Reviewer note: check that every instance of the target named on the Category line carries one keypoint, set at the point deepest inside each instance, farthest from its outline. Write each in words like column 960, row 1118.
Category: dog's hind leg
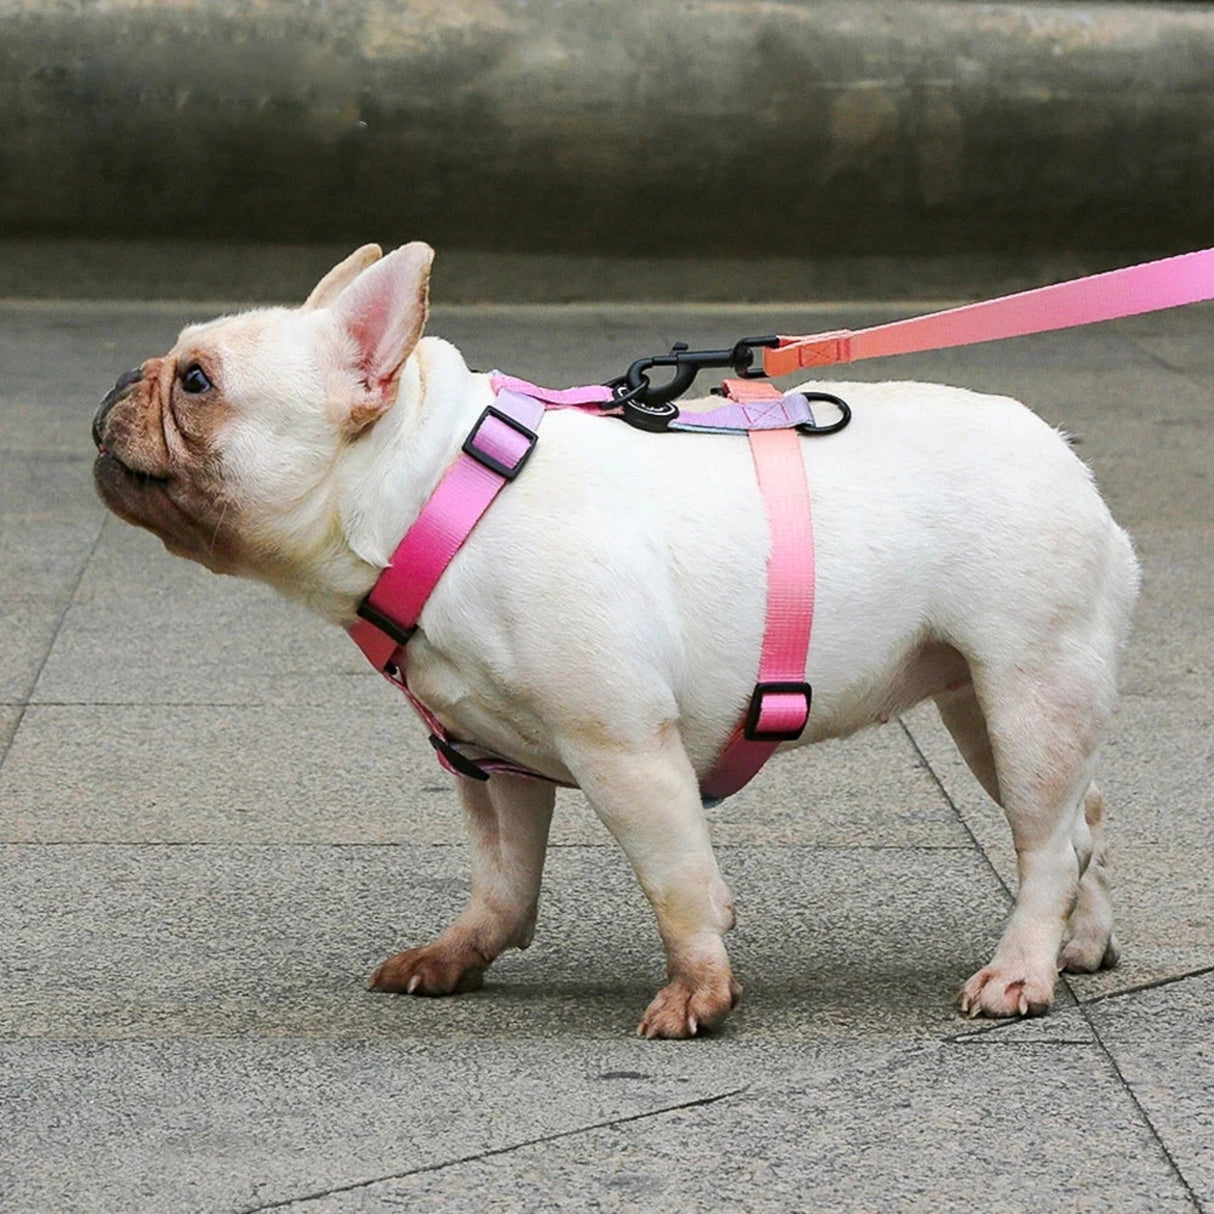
column 649, row 800
column 962, row 716
column 508, row 819
column 1044, row 724
column 1089, row 943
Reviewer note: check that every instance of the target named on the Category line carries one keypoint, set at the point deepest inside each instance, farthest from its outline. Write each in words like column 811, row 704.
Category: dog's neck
column 389, row 471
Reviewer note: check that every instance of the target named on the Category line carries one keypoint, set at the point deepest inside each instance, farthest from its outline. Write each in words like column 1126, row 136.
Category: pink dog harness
column 499, row 445
column 495, row 452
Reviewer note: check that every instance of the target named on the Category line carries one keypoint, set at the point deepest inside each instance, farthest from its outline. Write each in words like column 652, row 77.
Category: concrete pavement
column 214, row 821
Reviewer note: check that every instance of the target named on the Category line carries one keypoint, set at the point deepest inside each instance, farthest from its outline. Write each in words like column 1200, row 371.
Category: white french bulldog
column 602, row 624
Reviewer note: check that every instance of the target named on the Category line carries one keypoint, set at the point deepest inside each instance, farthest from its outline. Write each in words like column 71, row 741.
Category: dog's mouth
column 108, row 463
column 166, row 507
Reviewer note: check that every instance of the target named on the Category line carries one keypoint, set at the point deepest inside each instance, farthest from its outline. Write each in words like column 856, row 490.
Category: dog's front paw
column 1001, row 992
column 441, row 968
column 684, row 1008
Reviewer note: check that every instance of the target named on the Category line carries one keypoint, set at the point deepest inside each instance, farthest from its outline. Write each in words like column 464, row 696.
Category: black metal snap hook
column 640, row 389
column 635, row 385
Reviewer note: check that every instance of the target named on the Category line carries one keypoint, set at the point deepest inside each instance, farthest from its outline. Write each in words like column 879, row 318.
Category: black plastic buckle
column 461, row 763
column 506, row 471
column 385, row 623
column 751, row 731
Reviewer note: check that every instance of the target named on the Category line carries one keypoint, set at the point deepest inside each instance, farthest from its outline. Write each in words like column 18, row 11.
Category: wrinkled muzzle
column 143, row 482
column 126, row 381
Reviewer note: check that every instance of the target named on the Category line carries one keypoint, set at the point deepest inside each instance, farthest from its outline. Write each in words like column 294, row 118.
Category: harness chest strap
column 493, row 454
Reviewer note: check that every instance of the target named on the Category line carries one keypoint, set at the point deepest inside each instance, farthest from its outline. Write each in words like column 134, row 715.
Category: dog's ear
column 341, row 276
column 383, row 312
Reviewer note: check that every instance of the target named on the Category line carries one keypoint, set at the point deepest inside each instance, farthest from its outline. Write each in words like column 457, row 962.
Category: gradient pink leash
column 1150, row 287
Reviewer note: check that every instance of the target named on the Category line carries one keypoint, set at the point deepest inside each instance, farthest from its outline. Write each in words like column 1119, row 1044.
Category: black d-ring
column 835, row 426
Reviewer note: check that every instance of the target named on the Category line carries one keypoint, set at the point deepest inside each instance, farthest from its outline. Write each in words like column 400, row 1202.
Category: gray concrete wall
column 704, row 126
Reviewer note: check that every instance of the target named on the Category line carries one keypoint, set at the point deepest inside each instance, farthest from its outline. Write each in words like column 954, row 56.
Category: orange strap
column 1150, row 287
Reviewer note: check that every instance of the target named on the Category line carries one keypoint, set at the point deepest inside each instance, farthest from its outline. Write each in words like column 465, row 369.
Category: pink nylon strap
column 385, row 653
column 779, row 709
column 1150, row 287
column 502, row 440
column 494, row 452
column 389, row 657
column 590, row 394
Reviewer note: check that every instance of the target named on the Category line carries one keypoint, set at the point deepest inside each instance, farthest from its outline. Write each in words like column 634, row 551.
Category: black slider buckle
column 385, row 623
column 459, row 763
column 506, row 471
column 751, row 731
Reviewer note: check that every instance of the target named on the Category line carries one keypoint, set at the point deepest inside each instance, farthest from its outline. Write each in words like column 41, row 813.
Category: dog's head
column 224, row 446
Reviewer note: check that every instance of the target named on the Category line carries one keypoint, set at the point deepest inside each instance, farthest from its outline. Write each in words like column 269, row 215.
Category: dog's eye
column 194, row 379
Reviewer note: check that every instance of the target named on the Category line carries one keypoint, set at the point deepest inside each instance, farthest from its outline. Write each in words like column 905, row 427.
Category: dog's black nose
column 125, row 381
column 127, row 378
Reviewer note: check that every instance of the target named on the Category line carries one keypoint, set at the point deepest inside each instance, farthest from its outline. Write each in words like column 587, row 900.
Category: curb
column 723, row 128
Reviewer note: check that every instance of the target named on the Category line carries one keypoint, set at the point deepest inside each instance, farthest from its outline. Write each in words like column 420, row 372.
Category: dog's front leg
column 650, row 801
column 508, row 819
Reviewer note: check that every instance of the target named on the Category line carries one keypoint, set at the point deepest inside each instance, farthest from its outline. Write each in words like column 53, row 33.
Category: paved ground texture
column 214, row 821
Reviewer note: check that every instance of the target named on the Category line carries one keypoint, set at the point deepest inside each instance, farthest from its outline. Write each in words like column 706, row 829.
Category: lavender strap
column 782, row 413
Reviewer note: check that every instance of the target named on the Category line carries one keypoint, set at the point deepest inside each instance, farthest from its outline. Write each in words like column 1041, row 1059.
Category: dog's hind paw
column 681, row 1009
column 1087, row 953
column 999, row 994
column 441, row 968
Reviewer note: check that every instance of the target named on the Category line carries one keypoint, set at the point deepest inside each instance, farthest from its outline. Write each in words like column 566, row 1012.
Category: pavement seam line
column 1186, row 373
column 1130, row 990
column 1153, row 985
column 495, row 1151
column 948, row 800
column 983, row 1036
column 1104, row 997
column 965, row 826
column 23, row 707
column 1083, row 1009
column 1126, row 1087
